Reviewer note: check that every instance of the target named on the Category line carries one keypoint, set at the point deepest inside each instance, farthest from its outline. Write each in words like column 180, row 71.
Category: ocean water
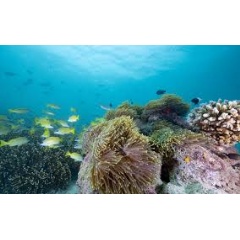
column 88, row 77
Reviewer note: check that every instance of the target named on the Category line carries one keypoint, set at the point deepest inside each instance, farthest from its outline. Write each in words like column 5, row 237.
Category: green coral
column 169, row 103
column 119, row 158
column 125, row 109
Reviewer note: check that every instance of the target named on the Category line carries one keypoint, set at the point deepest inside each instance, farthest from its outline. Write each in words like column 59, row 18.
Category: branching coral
column 125, row 109
column 219, row 120
column 31, row 168
column 119, row 159
column 169, row 106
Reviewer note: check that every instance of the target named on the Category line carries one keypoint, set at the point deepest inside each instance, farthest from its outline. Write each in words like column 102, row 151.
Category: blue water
column 87, row 76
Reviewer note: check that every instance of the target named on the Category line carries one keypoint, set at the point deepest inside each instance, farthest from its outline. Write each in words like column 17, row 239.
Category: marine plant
column 167, row 105
column 31, row 168
column 125, row 109
column 219, row 120
column 119, row 159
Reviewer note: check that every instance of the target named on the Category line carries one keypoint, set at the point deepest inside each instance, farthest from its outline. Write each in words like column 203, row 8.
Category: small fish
column 233, row 156
column 53, row 106
column 64, row 131
column 46, row 133
column 106, row 108
column 187, row 159
column 76, row 156
column 3, row 118
column 51, row 142
column 72, row 109
column 160, row 92
column 49, row 113
column 28, row 82
column 43, row 122
column 18, row 110
column 78, row 146
column 4, row 130
column 10, row 74
column 20, row 121
column 73, row 118
column 32, row 131
column 196, row 100
column 62, row 123
column 14, row 142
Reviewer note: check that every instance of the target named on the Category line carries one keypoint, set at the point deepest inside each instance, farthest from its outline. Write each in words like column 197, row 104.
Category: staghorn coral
column 170, row 107
column 220, row 120
column 125, row 109
column 118, row 160
column 31, row 168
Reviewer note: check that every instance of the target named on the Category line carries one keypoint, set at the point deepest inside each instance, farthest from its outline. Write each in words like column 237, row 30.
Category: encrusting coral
column 119, row 159
column 219, row 120
column 203, row 168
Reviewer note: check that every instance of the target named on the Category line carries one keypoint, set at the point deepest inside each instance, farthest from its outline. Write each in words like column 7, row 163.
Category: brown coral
column 119, row 159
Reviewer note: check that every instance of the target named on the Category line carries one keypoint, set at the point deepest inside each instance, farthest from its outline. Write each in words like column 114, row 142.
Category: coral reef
column 219, row 120
column 31, row 168
column 168, row 136
column 118, row 159
column 203, row 168
column 125, row 109
column 169, row 106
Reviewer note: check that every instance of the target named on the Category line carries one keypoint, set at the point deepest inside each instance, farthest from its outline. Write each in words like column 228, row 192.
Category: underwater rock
column 203, row 168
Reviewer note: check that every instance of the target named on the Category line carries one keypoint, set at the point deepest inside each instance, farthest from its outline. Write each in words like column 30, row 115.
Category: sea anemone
column 125, row 109
column 169, row 106
column 119, row 159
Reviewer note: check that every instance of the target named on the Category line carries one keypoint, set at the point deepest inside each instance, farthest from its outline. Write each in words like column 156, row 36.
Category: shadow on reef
column 160, row 148
column 31, row 168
